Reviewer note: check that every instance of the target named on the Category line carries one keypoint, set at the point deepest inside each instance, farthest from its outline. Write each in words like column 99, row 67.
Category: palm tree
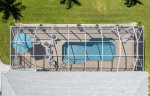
column 69, row 3
column 11, row 8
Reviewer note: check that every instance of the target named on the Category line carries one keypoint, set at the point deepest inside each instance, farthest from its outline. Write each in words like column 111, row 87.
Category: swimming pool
column 77, row 53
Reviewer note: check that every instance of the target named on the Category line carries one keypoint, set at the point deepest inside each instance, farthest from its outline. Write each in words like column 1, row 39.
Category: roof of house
column 3, row 67
column 31, row 83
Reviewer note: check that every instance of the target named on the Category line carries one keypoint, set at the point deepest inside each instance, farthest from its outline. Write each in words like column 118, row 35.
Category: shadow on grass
column 130, row 3
column 69, row 3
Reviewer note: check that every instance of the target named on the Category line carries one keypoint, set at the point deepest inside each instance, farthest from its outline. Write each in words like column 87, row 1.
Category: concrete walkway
column 3, row 68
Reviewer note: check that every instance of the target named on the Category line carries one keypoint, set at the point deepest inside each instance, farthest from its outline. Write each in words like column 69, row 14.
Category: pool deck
column 123, row 61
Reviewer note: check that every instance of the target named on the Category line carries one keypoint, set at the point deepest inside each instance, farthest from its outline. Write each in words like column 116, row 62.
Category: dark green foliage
column 69, row 3
column 139, row 23
column 62, row 1
column 11, row 8
column 76, row 2
column 131, row 3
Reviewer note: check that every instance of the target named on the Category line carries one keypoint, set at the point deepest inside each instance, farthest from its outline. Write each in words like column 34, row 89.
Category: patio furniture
column 51, row 62
column 53, row 37
column 50, row 53
column 37, row 41
column 47, row 45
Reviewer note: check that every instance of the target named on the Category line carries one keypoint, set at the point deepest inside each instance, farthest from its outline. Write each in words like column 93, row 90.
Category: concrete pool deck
column 123, row 60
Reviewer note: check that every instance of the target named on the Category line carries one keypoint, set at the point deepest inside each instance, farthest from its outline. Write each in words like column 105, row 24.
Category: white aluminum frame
column 113, row 28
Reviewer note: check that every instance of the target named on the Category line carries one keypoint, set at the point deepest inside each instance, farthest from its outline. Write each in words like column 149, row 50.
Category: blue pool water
column 77, row 53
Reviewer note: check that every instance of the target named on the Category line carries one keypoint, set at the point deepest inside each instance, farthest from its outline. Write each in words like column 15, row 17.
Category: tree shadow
column 69, row 3
column 62, row 1
column 130, row 3
column 76, row 2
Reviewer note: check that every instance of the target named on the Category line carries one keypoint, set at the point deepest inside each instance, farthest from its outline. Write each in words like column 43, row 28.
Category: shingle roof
column 3, row 67
column 29, row 83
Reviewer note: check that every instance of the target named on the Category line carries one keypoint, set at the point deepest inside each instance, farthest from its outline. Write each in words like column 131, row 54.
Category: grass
column 91, row 11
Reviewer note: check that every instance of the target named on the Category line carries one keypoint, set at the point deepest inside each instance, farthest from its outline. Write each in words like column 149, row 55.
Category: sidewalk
column 3, row 67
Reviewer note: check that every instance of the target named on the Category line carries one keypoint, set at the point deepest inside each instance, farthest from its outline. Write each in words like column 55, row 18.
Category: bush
column 68, row 4
column 62, row 1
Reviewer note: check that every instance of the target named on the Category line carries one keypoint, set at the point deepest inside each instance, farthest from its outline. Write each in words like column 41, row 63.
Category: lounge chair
column 53, row 37
column 50, row 52
column 46, row 44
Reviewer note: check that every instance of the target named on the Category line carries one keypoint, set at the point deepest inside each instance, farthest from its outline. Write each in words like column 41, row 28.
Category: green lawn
column 91, row 11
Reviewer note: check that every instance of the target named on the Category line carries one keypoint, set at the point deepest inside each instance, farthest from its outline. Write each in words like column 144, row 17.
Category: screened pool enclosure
column 77, row 47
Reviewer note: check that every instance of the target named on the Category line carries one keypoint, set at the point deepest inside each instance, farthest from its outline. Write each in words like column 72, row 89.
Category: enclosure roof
column 30, row 83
